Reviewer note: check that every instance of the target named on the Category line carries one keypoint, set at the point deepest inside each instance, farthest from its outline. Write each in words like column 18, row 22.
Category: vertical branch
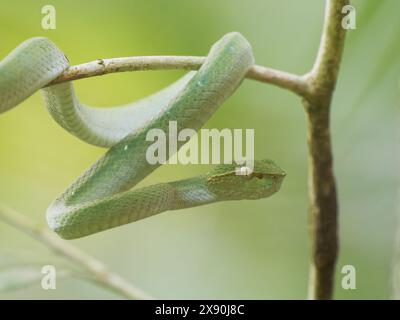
column 323, row 207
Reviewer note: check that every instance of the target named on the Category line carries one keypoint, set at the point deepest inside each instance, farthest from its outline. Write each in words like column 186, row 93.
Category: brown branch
column 323, row 206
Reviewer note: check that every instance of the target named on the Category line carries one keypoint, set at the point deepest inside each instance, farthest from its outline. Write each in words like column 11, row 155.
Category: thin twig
column 282, row 79
column 323, row 206
column 96, row 269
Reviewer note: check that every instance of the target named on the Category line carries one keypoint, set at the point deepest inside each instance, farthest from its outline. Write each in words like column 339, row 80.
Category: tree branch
column 323, row 207
column 282, row 79
column 97, row 270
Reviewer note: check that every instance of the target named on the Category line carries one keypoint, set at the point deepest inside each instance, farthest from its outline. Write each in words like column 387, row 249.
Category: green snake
column 102, row 197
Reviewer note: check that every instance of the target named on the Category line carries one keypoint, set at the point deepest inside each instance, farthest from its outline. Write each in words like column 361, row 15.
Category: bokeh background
column 237, row 250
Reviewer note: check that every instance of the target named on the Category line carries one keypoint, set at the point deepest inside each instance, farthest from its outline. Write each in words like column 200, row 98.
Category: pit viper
column 103, row 196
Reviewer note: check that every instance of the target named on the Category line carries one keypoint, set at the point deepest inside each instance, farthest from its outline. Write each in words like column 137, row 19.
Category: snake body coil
column 101, row 198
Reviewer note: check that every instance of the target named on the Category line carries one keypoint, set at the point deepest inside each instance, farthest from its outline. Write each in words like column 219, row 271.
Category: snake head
column 228, row 182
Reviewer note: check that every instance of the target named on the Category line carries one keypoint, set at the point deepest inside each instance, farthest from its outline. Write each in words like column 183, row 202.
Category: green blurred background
column 237, row 250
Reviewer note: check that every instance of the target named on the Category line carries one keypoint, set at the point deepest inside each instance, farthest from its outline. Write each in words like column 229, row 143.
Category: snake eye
column 258, row 175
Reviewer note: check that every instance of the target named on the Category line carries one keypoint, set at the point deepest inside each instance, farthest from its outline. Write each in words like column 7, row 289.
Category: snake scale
column 102, row 197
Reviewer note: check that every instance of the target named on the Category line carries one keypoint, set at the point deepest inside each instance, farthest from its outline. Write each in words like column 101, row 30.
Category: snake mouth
column 251, row 175
column 260, row 175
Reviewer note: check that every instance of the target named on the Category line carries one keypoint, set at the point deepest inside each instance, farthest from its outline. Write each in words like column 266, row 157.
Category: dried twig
column 96, row 270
